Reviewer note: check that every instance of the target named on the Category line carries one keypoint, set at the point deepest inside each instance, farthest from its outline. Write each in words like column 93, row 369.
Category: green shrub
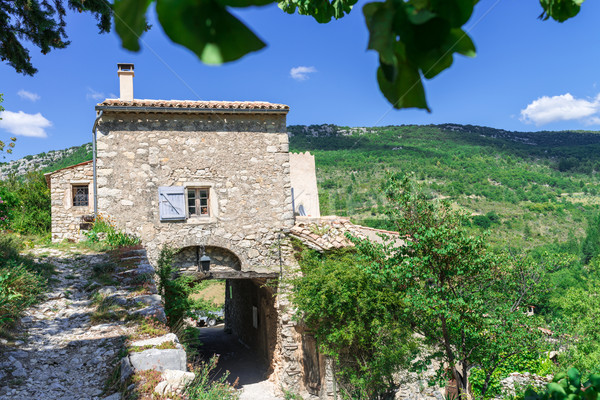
column 569, row 386
column 27, row 207
column 204, row 387
column 520, row 362
column 113, row 236
column 21, row 280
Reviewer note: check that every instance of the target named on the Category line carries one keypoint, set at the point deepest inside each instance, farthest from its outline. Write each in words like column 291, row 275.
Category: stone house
column 71, row 189
column 213, row 180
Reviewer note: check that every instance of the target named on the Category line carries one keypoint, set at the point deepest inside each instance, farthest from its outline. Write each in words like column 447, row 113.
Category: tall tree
column 42, row 23
column 415, row 39
column 466, row 301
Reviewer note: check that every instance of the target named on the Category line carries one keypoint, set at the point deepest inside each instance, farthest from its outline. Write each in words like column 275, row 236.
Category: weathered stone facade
column 241, row 158
column 67, row 217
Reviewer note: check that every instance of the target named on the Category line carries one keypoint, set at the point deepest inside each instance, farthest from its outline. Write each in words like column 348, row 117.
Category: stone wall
column 243, row 159
column 304, row 182
column 66, row 218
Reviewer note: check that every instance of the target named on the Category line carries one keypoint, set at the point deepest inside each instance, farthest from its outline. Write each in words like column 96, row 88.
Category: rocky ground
column 59, row 353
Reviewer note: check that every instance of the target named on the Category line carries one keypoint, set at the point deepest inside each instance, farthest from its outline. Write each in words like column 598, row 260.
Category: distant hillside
column 46, row 162
column 535, row 187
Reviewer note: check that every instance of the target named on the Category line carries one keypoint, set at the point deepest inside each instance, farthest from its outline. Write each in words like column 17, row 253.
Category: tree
column 10, row 144
column 465, row 301
column 353, row 318
column 415, row 39
column 42, row 24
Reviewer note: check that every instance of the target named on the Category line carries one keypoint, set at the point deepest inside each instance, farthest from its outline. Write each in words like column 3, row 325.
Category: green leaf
column 574, row 377
column 208, row 29
column 130, row 21
column 560, row 10
column 461, row 43
column 379, row 21
column 457, row 12
column 245, row 3
column 434, row 62
column 556, row 390
column 595, row 381
column 406, row 90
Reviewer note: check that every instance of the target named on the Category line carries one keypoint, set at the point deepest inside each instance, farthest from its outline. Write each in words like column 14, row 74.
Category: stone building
column 212, row 180
column 71, row 189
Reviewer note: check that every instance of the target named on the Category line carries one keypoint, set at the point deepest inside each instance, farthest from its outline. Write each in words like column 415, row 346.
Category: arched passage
column 248, row 337
column 222, row 260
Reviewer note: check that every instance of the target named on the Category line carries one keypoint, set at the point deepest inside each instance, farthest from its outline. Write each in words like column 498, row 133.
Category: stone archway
column 222, row 260
column 213, row 241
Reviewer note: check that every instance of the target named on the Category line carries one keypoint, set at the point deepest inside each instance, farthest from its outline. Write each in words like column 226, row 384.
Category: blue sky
column 528, row 75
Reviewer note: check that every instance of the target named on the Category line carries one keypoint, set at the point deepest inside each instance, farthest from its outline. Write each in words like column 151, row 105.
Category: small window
column 198, row 202
column 80, row 196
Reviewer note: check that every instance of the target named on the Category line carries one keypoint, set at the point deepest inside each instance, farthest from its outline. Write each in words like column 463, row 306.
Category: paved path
column 59, row 354
column 242, row 363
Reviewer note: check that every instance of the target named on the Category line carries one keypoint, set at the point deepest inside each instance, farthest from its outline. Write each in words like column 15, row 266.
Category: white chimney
column 126, row 81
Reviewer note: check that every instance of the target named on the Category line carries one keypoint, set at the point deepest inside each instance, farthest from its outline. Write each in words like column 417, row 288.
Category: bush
column 28, row 204
column 569, row 386
column 21, row 281
column 204, row 387
column 103, row 227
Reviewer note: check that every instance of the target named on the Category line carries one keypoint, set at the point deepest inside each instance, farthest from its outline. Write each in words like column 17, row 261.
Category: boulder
column 156, row 312
column 174, row 381
column 157, row 341
column 148, row 299
column 156, row 359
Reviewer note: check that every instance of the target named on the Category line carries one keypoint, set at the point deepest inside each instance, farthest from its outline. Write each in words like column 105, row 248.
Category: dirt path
column 242, row 363
column 59, row 354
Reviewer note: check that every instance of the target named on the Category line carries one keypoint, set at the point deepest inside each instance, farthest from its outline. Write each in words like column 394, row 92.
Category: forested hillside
column 538, row 187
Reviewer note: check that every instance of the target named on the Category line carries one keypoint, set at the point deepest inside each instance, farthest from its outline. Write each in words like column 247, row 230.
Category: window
column 197, row 199
column 80, row 196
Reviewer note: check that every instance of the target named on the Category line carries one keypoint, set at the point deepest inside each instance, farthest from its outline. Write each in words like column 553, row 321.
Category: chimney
column 126, row 81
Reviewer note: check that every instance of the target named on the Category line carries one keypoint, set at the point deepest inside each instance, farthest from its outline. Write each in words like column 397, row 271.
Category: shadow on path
column 242, row 362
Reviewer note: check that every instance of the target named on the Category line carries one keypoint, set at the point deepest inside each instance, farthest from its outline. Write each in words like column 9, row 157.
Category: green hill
column 532, row 188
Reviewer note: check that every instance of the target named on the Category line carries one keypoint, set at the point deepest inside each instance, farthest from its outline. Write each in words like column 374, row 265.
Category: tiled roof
column 328, row 233
column 185, row 104
column 49, row 174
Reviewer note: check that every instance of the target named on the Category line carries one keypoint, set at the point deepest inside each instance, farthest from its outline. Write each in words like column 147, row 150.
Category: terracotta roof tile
column 327, row 233
column 213, row 105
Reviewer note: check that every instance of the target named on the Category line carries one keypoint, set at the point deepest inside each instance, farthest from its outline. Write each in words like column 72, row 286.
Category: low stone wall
column 160, row 359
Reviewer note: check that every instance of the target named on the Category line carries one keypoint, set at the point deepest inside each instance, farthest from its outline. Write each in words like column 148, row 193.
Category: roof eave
column 190, row 110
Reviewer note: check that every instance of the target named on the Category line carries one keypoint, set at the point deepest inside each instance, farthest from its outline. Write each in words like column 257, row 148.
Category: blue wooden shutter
column 171, row 202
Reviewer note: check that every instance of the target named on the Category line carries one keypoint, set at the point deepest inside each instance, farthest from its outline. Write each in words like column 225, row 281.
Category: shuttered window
column 171, row 200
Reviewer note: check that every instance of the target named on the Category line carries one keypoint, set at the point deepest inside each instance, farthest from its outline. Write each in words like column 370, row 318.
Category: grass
column 22, row 281
column 147, row 327
column 213, row 291
column 163, row 346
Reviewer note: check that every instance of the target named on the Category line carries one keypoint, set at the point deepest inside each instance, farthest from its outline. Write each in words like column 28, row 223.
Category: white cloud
column 301, row 73
column 23, row 124
column 24, row 94
column 94, row 95
column 562, row 108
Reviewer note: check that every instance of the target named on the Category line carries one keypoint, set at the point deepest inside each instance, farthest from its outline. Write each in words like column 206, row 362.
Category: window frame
column 74, row 199
column 198, row 201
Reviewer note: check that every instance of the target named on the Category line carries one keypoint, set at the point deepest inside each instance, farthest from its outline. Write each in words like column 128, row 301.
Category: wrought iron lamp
column 203, row 262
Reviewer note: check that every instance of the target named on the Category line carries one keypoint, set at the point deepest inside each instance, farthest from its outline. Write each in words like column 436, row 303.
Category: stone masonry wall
column 243, row 158
column 304, row 181
column 65, row 217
